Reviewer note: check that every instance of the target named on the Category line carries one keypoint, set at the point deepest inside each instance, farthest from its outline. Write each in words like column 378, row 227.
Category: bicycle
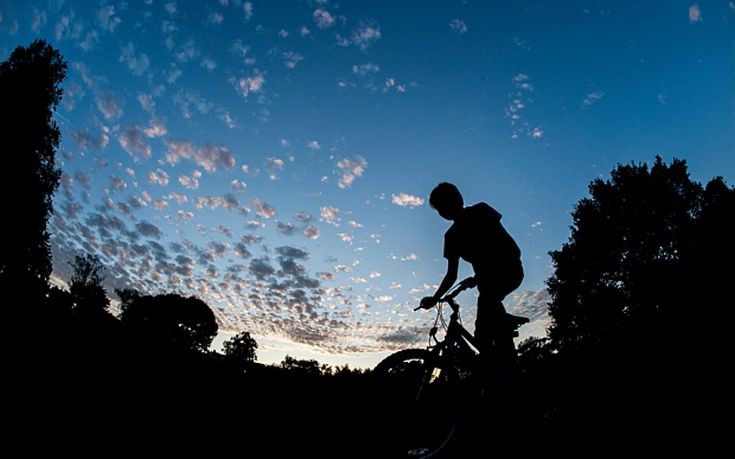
column 435, row 383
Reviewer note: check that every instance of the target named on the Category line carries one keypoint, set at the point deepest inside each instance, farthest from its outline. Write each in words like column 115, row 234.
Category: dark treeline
column 637, row 350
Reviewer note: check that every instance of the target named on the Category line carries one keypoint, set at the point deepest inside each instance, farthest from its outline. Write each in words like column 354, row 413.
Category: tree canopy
column 30, row 90
column 637, row 251
column 187, row 323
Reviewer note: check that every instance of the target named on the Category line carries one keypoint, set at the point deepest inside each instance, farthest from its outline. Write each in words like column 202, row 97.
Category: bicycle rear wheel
column 419, row 403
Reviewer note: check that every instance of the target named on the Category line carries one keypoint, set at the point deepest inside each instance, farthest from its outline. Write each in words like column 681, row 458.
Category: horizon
column 270, row 162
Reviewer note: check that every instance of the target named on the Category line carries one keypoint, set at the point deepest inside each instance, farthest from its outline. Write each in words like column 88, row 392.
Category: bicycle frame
column 456, row 336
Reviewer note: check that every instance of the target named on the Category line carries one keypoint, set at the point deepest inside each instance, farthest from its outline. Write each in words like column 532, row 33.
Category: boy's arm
column 449, row 279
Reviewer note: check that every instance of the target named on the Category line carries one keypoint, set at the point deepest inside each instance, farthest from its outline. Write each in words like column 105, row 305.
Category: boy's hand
column 428, row 302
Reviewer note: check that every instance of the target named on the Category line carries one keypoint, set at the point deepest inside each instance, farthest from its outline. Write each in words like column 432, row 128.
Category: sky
column 274, row 158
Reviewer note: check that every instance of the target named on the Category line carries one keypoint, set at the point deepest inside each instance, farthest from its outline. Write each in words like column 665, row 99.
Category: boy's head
column 447, row 200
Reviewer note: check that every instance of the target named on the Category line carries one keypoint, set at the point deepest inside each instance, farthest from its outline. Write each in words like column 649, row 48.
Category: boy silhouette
column 478, row 237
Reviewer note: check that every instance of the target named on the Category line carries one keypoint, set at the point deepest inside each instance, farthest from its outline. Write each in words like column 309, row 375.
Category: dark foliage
column 88, row 294
column 184, row 323
column 30, row 90
column 240, row 350
column 637, row 295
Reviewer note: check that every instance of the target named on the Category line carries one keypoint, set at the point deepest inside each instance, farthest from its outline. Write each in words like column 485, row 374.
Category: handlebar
column 458, row 288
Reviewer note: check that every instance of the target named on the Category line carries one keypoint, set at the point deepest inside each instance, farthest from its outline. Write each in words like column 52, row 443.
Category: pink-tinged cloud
column 406, row 200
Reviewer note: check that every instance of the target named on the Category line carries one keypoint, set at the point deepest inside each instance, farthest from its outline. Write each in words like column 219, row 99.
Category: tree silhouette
column 303, row 367
column 240, row 349
column 629, row 259
column 127, row 297
column 186, row 324
column 87, row 292
column 647, row 260
column 30, row 90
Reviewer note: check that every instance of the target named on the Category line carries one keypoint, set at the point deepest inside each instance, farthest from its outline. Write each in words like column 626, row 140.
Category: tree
column 240, row 349
column 30, row 90
column 301, row 366
column 86, row 288
column 186, row 324
column 127, row 297
column 638, row 246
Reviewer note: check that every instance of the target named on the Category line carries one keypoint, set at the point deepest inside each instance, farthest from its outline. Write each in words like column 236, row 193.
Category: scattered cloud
column 107, row 18
column 291, row 59
column 406, row 200
column 158, row 177
column 365, row 69
column 138, row 64
column 191, row 181
column 132, row 139
column 109, row 106
column 695, row 15
column 323, row 18
column 592, row 97
column 330, row 215
column 249, row 85
column 458, row 26
column 349, row 170
column 312, row 232
column 264, row 209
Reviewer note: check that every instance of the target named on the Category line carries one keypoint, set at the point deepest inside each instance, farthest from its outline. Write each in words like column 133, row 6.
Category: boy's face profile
column 448, row 212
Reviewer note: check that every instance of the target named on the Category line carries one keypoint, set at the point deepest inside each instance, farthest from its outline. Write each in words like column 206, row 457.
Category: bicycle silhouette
column 432, row 390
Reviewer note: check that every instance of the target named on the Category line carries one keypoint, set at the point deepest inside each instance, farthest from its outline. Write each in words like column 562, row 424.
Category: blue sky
column 274, row 158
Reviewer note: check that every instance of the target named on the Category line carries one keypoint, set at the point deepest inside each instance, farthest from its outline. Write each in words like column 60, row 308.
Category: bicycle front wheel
column 419, row 403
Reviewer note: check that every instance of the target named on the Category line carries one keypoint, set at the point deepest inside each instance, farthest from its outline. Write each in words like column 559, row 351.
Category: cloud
column 215, row 18
column 178, row 150
column 264, row 209
column 592, row 97
column 39, row 20
column 285, row 228
column 108, row 105
column 261, row 268
column 458, row 26
column 179, row 198
column 158, row 177
column 132, row 140
column 117, row 183
column 695, row 15
column 406, row 200
column 138, row 64
column 156, row 129
column 148, row 229
column 227, row 201
column 330, row 215
column 238, row 185
column 210, row 157
column 292, row 252
column 242, row 250
column 248, row 85
column 313, row 145
column 518, row 100
column 86, row 140
column 350, row 168
column 208, row 64
column 312, row 232
column 323, row 18
column 366, row 36
column 107, row 18
column 363, row 70
column 292, row 59
column 191, row 181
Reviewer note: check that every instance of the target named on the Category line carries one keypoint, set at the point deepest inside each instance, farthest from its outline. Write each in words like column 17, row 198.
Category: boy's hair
column 446, row 195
